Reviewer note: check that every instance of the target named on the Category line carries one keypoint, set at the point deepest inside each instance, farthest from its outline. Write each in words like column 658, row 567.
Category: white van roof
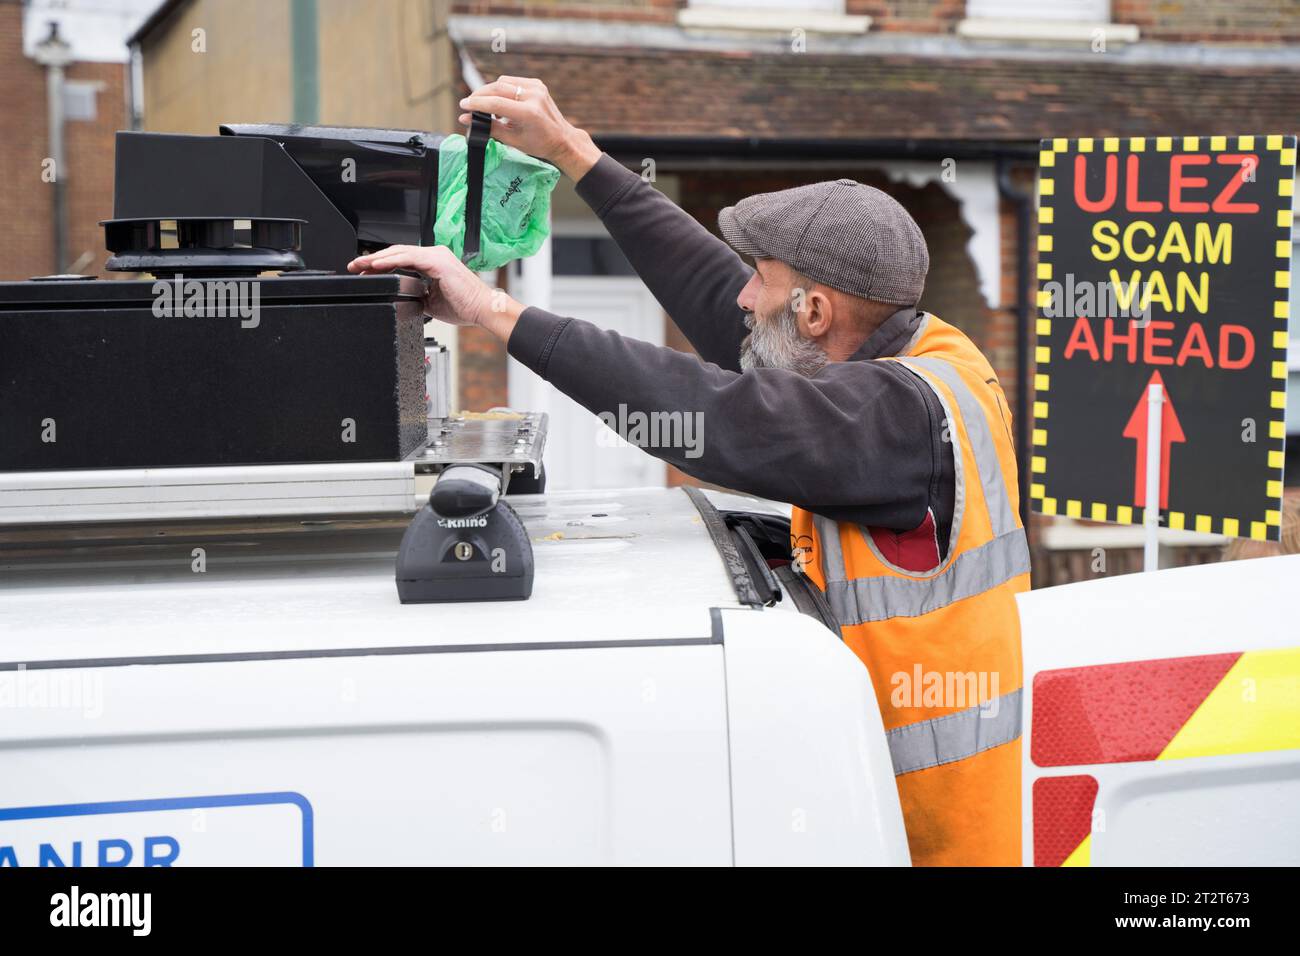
column 631, row 566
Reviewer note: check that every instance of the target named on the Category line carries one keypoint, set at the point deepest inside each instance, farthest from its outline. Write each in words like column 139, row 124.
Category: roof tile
column 660, row 92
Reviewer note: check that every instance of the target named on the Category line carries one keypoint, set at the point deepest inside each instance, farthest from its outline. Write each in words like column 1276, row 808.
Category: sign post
column 1164, row 267
column 1151, row 516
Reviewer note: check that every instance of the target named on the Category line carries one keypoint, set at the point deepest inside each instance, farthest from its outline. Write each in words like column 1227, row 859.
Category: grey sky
column 97, row 29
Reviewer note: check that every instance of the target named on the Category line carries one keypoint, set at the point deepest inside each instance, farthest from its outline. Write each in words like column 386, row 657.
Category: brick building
column 96, row 109
column 939, row 102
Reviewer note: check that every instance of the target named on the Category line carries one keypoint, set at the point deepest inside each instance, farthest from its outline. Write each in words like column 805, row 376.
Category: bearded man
column 820, row 383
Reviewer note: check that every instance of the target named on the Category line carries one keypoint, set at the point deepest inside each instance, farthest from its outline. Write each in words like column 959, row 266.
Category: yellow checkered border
column 1049, row 149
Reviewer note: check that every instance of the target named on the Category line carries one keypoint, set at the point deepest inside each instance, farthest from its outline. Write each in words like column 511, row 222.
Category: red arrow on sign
column 1171, row 430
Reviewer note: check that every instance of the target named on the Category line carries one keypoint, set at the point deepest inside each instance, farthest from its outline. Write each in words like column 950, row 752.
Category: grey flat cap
column 849, row 236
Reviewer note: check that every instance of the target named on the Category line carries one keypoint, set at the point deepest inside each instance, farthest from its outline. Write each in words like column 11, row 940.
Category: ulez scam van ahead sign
column 1164, row 260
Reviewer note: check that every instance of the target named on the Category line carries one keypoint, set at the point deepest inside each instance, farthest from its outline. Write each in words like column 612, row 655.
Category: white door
column 580, row 451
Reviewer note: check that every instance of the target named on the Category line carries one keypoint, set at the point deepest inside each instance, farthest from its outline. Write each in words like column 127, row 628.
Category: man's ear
column 815, row 313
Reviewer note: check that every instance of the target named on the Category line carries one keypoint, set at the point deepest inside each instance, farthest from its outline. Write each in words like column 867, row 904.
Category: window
column 1051, row 21
column 588, row 256
column 79, row 99
column 818, row 6
column 814, row 16
column 1078, row 11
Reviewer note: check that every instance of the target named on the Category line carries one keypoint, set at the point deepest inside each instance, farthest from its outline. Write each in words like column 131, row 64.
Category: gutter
column 667, row 148
column 1023, row 201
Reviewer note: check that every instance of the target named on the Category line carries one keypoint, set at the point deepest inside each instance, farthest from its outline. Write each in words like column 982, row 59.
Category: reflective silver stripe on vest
column 940, row 740
column 879, row 598
column 1001, row 518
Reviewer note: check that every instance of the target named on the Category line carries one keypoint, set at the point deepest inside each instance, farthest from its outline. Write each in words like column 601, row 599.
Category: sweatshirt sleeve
column 857, row 442
column 695, row 275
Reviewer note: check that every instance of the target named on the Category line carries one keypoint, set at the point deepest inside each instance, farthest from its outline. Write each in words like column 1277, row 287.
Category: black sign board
column 1165, row 260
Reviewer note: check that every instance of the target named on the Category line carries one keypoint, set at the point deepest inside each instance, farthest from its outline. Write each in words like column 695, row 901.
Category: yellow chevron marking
column 1081, row 855
column 1256, row 707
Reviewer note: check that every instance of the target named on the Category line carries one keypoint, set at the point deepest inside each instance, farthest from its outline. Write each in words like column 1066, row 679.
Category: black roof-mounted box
column 219, row 360
column 355, row 190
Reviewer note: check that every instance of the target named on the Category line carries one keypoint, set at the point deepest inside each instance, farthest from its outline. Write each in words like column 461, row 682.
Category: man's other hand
column 526, row 118
column 455, row 294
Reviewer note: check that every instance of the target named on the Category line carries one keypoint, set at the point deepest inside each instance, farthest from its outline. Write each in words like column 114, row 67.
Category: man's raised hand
column 526, row 118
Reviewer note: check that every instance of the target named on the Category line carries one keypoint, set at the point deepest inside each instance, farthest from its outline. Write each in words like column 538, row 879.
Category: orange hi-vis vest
column 943, row 645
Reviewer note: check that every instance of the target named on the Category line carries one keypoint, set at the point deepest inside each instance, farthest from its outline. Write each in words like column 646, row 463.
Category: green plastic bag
column 516, row 202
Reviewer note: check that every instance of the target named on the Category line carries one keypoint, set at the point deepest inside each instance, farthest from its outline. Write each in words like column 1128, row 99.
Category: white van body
column 273, row 703
column 281, row 707
column 1188, row 681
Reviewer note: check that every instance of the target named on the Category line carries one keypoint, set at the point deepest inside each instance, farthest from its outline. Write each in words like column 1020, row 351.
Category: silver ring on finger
column 518, row 91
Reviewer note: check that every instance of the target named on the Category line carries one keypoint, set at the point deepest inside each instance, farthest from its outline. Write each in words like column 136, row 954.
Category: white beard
column 776, row 343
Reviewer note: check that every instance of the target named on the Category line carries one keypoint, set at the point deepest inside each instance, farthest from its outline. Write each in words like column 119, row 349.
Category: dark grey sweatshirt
column 860, row 441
